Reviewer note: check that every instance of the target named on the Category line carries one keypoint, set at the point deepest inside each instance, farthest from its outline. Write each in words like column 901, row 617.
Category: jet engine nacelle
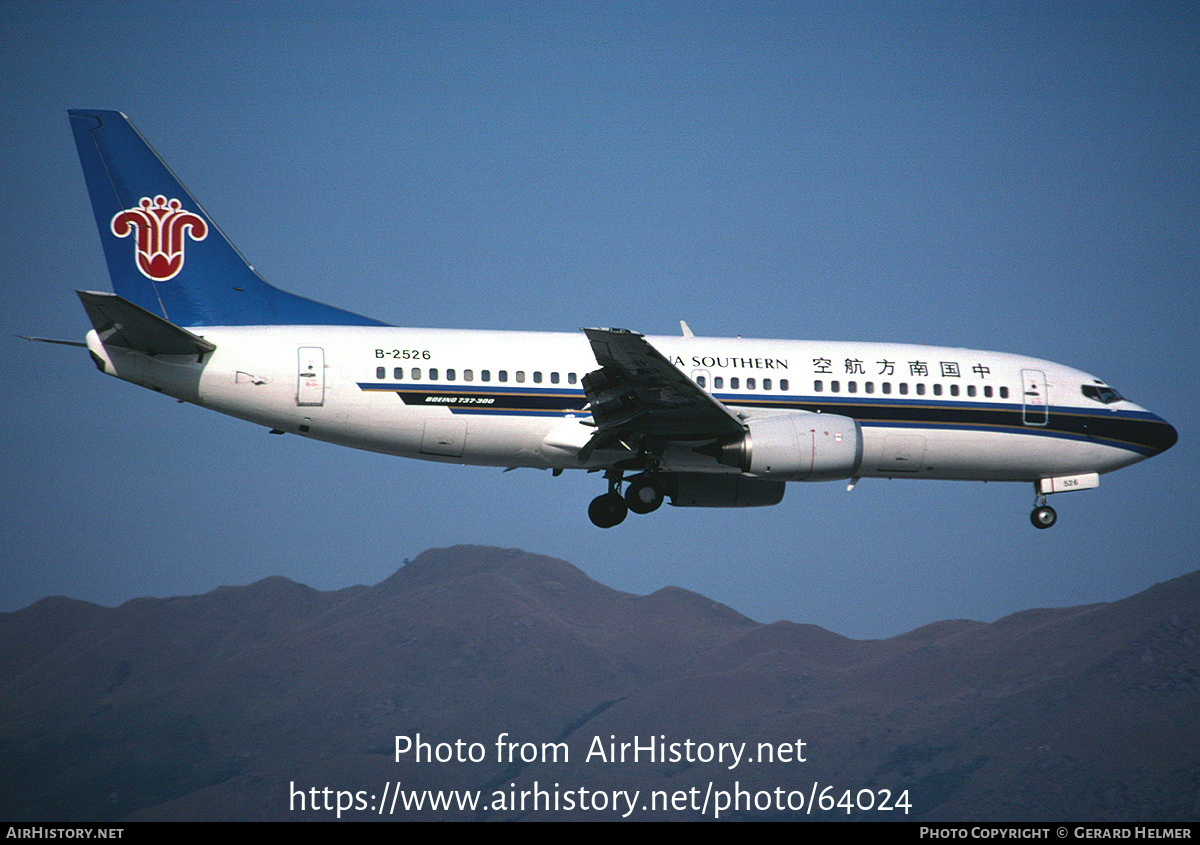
column 801, row 446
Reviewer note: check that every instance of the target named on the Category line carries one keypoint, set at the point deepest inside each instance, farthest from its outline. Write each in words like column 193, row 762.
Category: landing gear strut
column 1043, row 515
column 610, row 509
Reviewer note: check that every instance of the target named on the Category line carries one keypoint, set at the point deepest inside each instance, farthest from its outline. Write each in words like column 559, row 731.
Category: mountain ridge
column 210, row 706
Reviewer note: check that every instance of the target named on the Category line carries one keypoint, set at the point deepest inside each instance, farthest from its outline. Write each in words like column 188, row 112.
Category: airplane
column 705, row 422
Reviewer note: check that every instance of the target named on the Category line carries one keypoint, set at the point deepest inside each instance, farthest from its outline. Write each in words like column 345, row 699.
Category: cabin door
column 310, row 377
column 1033, row 391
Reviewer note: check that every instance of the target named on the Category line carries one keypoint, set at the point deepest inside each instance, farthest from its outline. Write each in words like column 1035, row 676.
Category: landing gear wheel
column 607, row 510
column 1043, row 516
column 643, row 495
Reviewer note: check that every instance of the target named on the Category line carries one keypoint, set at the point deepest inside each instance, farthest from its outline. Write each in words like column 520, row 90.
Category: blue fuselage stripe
column 1139, row 432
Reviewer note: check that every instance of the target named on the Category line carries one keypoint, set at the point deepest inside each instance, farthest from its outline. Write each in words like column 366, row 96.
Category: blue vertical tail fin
column 164, row 253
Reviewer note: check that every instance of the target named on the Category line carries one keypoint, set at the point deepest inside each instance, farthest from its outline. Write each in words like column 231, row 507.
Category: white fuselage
column 514, row 399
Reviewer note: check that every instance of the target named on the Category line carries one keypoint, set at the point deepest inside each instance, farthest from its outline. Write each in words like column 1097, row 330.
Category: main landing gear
column 643, row 494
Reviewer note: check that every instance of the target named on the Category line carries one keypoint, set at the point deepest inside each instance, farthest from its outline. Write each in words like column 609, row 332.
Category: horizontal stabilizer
column 52, row 340
column 121, row 323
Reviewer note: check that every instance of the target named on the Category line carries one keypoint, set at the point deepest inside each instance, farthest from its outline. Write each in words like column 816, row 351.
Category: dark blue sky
column 1022, row 178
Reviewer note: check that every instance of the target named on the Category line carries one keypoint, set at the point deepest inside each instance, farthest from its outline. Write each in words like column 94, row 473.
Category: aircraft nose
column 1158, row 435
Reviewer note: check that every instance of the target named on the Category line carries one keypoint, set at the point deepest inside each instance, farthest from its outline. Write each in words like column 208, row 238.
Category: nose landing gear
column 1043, row 515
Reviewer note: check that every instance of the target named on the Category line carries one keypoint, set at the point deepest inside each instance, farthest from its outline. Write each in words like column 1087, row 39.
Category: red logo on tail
column 160, row 225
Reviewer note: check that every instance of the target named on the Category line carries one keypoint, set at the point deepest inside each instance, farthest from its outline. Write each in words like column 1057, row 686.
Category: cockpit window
column 1101, row 393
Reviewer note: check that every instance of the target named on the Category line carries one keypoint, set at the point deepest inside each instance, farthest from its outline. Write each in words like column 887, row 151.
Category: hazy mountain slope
column 213, row 706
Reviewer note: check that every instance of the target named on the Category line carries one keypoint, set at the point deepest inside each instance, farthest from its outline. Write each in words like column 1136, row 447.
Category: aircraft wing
column 638, row 393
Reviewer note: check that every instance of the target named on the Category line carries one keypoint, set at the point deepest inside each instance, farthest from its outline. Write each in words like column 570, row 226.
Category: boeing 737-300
column 705, row 422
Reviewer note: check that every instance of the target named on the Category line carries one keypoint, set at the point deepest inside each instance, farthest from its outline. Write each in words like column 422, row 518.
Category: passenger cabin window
column 398, row 373
column 381, row 373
